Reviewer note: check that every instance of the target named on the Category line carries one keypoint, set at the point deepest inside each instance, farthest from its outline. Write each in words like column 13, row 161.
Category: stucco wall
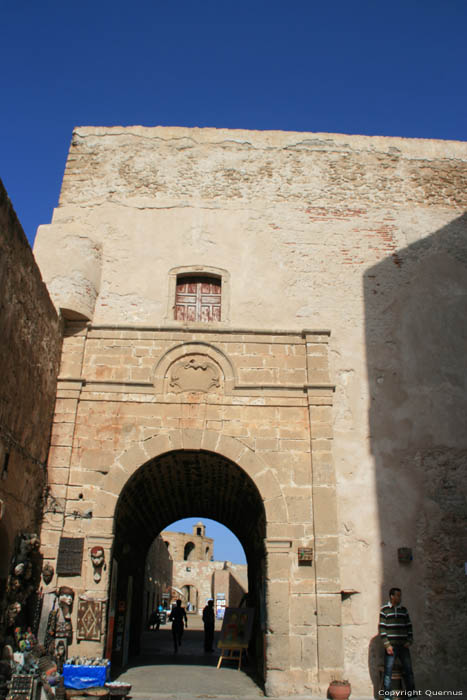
column 364, row 236
column 30, row 344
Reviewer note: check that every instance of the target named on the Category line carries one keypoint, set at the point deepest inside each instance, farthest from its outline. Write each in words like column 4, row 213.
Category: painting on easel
column 236, row 627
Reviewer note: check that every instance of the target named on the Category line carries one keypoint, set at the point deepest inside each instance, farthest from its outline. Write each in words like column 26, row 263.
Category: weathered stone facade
column 30, row 344
column 324, row 410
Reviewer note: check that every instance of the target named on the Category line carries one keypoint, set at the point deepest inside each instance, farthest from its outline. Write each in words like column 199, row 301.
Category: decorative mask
column 98, row 561
column 47, row 573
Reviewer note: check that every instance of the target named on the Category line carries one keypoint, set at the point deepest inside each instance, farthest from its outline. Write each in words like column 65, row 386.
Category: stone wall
column 158, row 577
column 361, row 236
column 30, row 344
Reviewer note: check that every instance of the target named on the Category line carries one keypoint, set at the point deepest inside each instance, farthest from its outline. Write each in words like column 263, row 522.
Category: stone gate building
column 266, row 329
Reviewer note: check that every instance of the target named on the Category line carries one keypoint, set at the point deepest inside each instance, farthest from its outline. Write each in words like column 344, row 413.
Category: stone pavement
column 191, row 673
column 159, row 674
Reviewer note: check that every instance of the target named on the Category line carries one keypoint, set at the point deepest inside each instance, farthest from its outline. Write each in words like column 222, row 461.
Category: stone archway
column 175, row 485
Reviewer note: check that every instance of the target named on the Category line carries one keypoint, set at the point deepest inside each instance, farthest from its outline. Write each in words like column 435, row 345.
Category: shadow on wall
column 416, row 342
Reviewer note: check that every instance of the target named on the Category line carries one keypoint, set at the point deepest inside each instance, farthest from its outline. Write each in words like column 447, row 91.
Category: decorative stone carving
column 196, row 373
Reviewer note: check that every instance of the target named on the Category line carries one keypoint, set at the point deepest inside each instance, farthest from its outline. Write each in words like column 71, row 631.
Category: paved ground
column 191, row 673
column 159, row 674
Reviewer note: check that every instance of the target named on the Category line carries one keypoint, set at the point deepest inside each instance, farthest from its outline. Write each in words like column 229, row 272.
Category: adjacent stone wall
column 30, row 344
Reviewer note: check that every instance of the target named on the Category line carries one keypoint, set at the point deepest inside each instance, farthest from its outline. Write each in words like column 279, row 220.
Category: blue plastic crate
column 85, row 676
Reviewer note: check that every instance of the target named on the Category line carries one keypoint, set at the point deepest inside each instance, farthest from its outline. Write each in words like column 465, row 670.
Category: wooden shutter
column 198, row 299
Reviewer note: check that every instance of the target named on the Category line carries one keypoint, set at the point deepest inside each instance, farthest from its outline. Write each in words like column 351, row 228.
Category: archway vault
column 184, row 483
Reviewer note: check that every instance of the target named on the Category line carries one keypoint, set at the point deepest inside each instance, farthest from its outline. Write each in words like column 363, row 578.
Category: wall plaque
column 70, row 556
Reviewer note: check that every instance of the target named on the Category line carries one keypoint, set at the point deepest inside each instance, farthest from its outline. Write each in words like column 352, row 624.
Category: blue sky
column 226, row 546
column 352, row 66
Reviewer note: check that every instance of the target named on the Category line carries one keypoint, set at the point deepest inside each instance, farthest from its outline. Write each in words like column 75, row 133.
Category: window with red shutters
column 198, row 299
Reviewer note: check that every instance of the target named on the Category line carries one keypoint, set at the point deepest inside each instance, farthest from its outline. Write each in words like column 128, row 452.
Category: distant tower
column 199, row 529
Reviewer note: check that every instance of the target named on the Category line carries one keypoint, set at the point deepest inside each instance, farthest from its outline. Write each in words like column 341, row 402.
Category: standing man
column 395, row 630
column 208, row 619
column 176, row 617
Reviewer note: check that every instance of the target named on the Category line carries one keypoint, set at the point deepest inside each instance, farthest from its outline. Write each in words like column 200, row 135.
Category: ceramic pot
column 339, row 692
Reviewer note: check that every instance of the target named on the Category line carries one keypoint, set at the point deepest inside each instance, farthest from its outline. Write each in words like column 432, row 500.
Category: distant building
column 180, row 565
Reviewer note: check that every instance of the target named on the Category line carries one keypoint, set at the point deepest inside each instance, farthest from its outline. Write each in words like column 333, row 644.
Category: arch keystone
column 191, row 439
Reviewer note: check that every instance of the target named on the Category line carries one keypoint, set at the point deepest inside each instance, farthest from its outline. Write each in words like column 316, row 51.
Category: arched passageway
column 175, row 485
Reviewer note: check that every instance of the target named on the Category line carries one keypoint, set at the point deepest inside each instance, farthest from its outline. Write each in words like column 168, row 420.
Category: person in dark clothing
column 395, row 630
column 176, row 617
column 208, row 619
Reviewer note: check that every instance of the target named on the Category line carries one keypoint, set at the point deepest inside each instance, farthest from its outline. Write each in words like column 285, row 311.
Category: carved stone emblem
column 195, row 374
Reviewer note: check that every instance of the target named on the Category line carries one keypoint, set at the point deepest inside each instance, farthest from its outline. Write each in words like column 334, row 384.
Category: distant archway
column 188, row 551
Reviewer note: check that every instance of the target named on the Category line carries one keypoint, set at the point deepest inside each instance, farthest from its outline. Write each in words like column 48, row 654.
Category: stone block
column 330, row 647
column 303, row 610
column 277, row 682
column 116, row 479
column 276, row 511
column 230, row 448
column 321, row 431
column 295, row 431
column 59, row 456
column 57, row 475
column 277, row 597
column 66, row 406
column 97, row 459
column 327, row 567
column 277, row 652
column 298, row 502
column 325, row 510
column 192, row 439
column 105, row 504
column 302, row 586
column 329, row 609
column 154, row 446
column 278, row 566
column 210, row 440
column 283, row 530
column 320, row 414
column 62, row 434
column 295, row 445
column 266, row 444
column 132, row 458
column 267, row 485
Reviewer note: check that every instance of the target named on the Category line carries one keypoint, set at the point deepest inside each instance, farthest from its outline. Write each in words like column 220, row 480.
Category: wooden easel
column 227, row 652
